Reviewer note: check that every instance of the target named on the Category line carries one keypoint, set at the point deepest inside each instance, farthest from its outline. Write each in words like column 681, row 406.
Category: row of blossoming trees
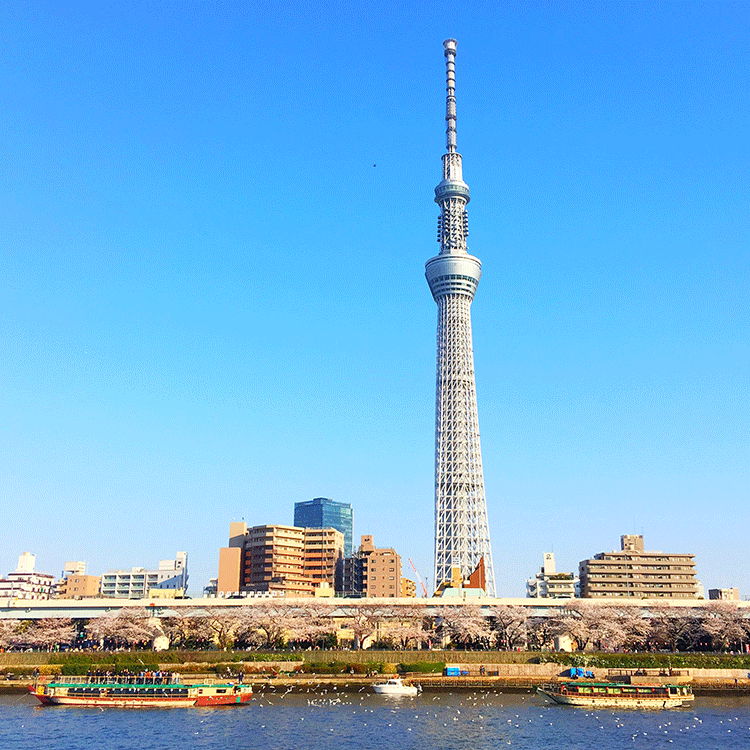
column 717, row 626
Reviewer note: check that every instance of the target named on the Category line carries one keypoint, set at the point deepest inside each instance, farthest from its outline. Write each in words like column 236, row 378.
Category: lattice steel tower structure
column 462, row 534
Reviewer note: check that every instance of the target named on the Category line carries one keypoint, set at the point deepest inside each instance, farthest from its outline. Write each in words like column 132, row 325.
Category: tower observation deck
column 462, row 536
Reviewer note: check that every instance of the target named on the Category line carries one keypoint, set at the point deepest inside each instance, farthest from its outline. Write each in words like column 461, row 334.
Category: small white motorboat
column 395, row 686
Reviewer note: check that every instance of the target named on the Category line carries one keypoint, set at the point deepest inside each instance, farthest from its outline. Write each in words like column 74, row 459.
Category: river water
column 331, row 720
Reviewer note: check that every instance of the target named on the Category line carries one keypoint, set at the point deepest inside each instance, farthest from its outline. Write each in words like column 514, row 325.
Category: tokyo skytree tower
column 462, row 535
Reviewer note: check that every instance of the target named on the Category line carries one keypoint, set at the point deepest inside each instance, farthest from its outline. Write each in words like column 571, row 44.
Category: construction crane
column 419, row 578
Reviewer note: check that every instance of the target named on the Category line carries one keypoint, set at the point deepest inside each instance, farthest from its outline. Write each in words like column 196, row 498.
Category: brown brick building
column 372, row 571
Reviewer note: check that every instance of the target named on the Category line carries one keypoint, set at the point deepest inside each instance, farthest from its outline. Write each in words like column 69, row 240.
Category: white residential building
column 137, row 582
column 549, row 584
column 24, row 583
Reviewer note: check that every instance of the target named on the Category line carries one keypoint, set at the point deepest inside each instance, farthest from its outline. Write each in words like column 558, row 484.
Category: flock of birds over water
column 518, row 719
column 335, row 717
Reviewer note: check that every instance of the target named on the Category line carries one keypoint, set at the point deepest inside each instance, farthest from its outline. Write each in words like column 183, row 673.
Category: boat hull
column 395, row 686
column 606, row 702
column 405, row 690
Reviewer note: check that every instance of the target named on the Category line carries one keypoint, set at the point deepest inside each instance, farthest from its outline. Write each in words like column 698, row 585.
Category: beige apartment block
column 77, row 586
column 323, row 556
column 635, row 572
column 285, row 560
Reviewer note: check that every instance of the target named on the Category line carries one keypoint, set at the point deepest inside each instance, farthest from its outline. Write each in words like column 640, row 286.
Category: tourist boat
column 395, row 686
column 139, row 692
column 617, row 694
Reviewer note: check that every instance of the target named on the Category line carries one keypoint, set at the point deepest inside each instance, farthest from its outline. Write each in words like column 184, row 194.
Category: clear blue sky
column 214, row 220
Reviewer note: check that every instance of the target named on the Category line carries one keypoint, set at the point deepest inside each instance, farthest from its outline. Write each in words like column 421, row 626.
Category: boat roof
column 623, row 684
column 110, row 682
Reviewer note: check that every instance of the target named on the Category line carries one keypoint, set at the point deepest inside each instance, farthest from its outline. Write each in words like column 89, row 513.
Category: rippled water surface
column 358, row 721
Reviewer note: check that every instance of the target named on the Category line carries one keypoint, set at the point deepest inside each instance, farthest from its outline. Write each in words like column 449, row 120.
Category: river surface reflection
column 333, row 720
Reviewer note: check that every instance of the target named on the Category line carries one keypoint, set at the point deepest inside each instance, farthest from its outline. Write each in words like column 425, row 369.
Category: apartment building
column 25, row 583
column 372, row 571
column 635, row 572
column 75, row 584
column 137, row 583
column 549, row 584
column 408, row 588
column 78, row 586
column 725, row 595
column 285, row 560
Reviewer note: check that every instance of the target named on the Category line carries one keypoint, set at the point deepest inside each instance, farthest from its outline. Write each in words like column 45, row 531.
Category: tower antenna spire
column 450, row 97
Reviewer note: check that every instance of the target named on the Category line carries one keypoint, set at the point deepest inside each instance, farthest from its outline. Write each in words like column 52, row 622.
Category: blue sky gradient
column 215, row 220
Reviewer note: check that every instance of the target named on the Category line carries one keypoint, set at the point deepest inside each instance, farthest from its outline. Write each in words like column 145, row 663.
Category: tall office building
column 462, row 537
column 322, row 513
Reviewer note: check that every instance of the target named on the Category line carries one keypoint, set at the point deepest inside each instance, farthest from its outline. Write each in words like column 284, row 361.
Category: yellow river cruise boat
column 617, row 694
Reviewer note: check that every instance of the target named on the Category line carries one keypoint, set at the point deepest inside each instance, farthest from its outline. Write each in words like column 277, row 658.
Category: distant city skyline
column 212, row 301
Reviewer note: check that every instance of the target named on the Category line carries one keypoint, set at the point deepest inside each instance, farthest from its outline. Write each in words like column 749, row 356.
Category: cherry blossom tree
column 541, row 632
column 311, row 623
column 265, row 625
column 610, row 627
column 725, row 625
column 673, row 626
column 9, row 630
column 408, row 626
column 223, row 625
column 50, row 632
column 131, row 626
column 363, row 619
column 635, row 628
column 589, row 623
column 186, row 629
column 138, row 627
column 575, row 620
column 510, row 626
column 464, row 625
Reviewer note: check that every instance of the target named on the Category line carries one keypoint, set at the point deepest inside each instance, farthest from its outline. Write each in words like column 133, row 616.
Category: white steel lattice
column 462, row 535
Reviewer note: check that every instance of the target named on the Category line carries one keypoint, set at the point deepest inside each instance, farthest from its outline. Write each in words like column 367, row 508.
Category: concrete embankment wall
column 483, row 667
